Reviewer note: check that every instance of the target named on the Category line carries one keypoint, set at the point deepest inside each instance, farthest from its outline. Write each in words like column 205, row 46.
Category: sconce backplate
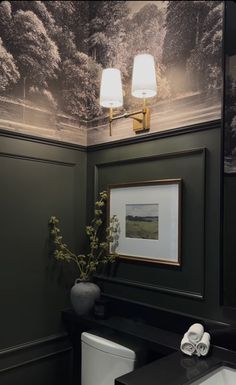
column 141, row 122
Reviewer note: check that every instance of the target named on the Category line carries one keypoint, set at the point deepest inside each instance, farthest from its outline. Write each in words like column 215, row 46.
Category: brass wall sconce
column 143, row 86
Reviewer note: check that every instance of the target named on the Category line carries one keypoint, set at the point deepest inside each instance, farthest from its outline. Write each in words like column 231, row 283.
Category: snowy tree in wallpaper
column 230, row 120
column 52, row 54
column 47, row 78
column 230, row 91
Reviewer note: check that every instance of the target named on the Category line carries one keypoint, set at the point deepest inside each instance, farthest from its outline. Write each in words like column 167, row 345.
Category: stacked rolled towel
column 195, row 341
column 195, row 333
column 186, row 346
column 202, row 347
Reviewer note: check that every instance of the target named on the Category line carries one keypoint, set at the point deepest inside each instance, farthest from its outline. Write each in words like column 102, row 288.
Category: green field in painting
column 142, row 229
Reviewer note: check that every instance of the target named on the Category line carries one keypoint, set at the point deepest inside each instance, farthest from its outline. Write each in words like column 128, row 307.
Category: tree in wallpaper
column 52, row 54
column 188, row 60
column 44, row 56
column 230, row 125
column 193, row 54
column 107, row 30
column 9, row 74
column 116, row 38
column 35, row 54
column 148, row 37
column 80, row 85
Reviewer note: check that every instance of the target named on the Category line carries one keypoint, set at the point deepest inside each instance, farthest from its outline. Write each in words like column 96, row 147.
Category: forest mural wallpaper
column 230, row 115
column 230, row 91
column 52, row 54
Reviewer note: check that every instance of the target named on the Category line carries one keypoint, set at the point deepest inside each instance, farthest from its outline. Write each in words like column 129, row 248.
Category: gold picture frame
column 149, row 215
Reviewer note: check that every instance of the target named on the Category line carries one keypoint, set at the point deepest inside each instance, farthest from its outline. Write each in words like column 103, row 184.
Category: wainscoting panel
column 229, row 263
column 45, row 361
column 193, row 158
column 38, row 179
column 175, row 280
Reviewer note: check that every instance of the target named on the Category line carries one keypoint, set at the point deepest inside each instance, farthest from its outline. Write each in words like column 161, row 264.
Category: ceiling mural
column 52, row 54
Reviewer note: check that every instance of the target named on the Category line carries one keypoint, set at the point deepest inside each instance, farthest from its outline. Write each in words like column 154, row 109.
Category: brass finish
column 110, row 121
column 150, row 260
column 141, row 119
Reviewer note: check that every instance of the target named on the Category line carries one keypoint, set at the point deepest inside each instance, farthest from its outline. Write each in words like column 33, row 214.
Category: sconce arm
column 129, row 115
column 139, row 116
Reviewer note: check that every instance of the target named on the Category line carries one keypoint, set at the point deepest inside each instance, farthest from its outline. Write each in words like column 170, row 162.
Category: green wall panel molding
column 195, row 157
column 156, row 135
column 229, row 287
column 167, row 166
column 38, row 179
column 33, row 188
column 33, row 351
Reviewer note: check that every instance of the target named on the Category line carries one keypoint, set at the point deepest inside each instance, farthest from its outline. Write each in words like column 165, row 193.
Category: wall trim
column 145, row 286
column 213, row 124
column 164, row 155
column 182, row 293
column 33, row 351
column 28, row 345
column 37, row 159
column 166, row 310
column 28, row 362
column 121, row 142
column 41, row 140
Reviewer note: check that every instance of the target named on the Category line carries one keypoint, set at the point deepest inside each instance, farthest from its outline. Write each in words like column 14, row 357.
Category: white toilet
column 104, row 360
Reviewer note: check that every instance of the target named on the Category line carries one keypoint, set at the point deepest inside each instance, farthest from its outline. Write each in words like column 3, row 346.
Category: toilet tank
column 104, row 360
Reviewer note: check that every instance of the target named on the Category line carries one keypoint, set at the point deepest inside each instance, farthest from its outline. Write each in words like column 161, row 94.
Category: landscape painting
column 142, row 221
column 149, row 217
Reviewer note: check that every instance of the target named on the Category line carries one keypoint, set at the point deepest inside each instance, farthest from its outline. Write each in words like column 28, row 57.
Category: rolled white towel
column 186, row 346
column 195, row 333
column 203, row 346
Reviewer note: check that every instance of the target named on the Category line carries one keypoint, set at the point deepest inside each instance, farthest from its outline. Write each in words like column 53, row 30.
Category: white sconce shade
column 111, row 95
column 144, row 83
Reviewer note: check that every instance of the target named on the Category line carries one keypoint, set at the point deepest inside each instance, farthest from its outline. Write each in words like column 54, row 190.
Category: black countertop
column 178, row 369
column 173, row 368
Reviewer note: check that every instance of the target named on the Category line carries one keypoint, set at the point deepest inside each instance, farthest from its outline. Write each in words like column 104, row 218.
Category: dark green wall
column 38, row 179
column 229, row 139
column 229, row 261
column 41, row 178
column 193, row 156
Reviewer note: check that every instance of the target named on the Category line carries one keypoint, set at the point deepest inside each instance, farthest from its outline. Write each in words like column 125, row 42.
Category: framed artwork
column 149, row 215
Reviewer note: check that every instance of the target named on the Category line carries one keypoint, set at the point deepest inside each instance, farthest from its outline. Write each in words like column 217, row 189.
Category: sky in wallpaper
column 52, row 54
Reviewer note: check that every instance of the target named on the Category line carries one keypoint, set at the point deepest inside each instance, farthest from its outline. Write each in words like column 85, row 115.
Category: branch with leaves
column 103, row 241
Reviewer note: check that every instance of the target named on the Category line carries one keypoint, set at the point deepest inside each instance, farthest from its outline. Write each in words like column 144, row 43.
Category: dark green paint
column 229, row 265
column 41, row 179
column 228, row 151
column 199, row 274
column 37, row 180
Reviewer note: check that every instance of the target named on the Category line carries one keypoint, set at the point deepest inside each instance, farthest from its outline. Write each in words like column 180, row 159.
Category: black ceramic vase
column 83, row 295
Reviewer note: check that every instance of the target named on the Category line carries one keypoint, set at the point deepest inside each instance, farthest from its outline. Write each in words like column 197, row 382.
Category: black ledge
column 161, row 340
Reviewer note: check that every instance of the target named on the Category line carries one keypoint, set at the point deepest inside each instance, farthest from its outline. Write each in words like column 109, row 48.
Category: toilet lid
column 107, row 346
